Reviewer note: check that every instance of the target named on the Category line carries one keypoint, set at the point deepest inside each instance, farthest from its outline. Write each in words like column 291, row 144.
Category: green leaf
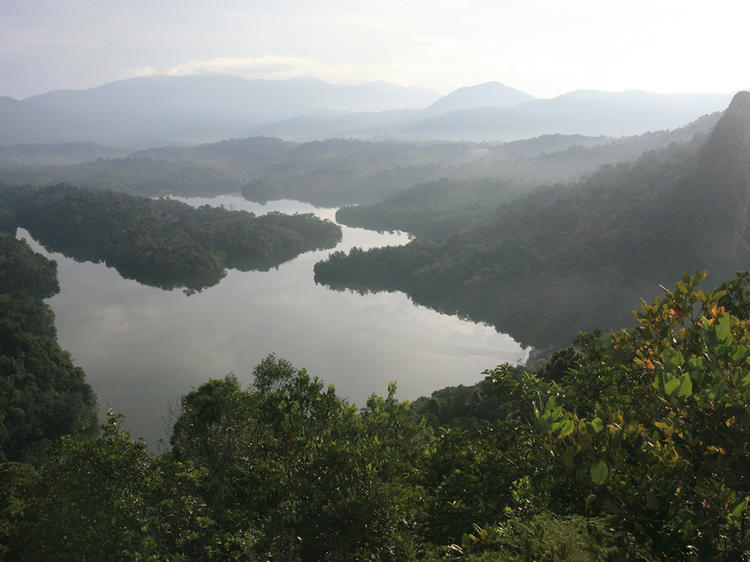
column 723, row 330
column 739, row 508
column 599, row 473
column 739, row 354
column 671, row 385
column 567, row 428
column 596, row 425
column 676, row 360
column 551, row 404
column 686, row 388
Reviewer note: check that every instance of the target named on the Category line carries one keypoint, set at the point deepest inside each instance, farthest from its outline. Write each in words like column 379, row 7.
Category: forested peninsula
column 566, row 258
column 162, row 242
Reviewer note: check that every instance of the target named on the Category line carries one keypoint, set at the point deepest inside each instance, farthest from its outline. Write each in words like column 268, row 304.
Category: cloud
column 272, row 67
column 140, row 71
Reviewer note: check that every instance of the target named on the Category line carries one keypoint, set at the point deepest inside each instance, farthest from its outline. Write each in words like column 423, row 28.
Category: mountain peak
column 740, row 105
column 715, row 198
column 488, row 94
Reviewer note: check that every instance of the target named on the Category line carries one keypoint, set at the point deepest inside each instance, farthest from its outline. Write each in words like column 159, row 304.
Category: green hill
column 561, row 259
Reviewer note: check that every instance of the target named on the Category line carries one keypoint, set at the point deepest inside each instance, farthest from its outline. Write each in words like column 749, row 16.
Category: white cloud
column 140, row 71
column 542, row 46
column 272, row 67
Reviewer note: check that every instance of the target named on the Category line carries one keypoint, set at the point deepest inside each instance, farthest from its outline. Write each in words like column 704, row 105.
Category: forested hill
column 437, row 208
column 344, row 171
column 562, row 259
column 716, row 198
column 139, row 176
column 332, row 172
column 42, row 394
column 163, row 242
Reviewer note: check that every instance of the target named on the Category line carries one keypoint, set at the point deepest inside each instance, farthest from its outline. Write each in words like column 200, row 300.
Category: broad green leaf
column 567, row 428
column 739, row 508
column 599, row 473
column 739, row 354
column 723, row 330
column 676, row 359
column 686, row 388
column 671, row 385
column 596, row 424
column 551, row 404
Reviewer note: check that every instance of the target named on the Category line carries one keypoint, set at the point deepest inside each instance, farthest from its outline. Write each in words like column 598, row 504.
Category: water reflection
column 142, row 348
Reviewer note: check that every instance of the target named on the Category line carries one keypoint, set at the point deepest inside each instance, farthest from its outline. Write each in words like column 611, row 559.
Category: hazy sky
column 545, row 47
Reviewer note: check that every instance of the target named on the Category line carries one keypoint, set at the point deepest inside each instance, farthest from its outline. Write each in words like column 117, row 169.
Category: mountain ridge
column 152, row 111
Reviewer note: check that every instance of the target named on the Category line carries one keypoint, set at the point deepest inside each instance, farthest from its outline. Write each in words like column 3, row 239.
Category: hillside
column 437, row 208
column 26, row 122
column 556, row 261
column 45, row 154
column 139, row 176
column 43, row 395
column 344, row 171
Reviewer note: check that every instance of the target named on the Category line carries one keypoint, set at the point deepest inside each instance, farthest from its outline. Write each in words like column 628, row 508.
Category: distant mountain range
column 187, row 109
column 158, row 110
column 586, row 112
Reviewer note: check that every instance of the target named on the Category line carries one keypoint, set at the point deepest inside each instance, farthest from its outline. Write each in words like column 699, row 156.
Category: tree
column 678, row 473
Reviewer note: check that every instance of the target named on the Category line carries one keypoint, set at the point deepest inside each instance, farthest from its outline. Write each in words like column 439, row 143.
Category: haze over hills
column 587, row 112
column 334, row 171
column 57, row 153
column 560, row 259
column 188, row 110
column 24, row 122
column 583, row 112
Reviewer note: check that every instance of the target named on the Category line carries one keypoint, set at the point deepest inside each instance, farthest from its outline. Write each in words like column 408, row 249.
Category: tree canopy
column 163, row 242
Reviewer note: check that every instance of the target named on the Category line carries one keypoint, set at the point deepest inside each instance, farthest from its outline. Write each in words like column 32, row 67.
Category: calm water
column 142, row 348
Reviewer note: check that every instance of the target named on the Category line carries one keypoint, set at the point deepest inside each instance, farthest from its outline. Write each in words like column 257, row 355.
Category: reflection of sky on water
column 142, row 348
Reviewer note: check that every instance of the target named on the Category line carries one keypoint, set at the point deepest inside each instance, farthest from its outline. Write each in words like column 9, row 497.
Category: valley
column 287, row 319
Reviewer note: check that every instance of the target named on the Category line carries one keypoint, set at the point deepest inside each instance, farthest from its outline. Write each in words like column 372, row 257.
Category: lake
column 142, row 348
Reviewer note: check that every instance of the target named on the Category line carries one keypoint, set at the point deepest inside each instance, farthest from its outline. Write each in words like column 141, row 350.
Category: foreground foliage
column 632, row 446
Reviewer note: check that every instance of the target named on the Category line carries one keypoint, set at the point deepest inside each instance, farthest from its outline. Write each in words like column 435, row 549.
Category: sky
column 543, row 47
